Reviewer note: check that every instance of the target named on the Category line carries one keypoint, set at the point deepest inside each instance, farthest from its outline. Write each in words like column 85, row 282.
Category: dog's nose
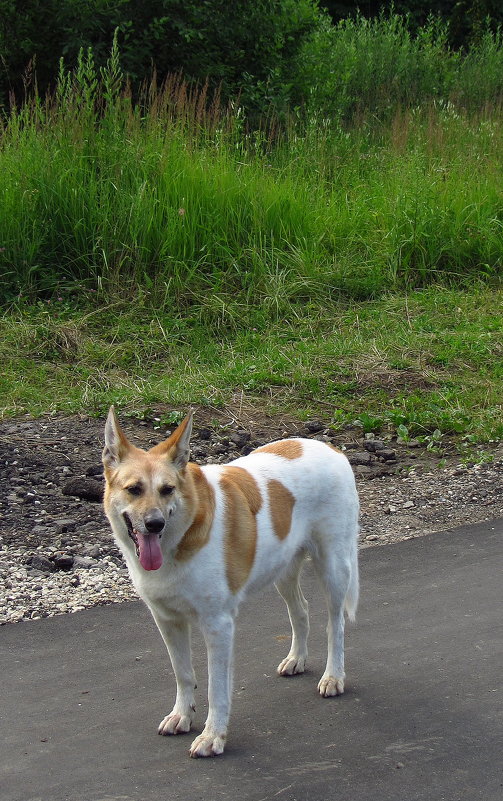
column 154, row 521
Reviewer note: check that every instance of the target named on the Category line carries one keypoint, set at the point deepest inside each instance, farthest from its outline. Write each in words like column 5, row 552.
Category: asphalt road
column 421, row 718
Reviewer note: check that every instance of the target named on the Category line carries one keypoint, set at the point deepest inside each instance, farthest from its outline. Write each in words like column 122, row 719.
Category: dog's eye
column 166, row 489
column 135, row 489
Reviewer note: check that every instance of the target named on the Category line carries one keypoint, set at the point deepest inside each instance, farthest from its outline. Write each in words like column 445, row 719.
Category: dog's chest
column 163, row 591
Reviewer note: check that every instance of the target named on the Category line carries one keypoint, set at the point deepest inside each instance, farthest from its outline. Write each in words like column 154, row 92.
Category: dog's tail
column 351, row 600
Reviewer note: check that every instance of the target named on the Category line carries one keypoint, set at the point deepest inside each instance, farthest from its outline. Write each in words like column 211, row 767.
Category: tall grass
column 171, row 199
column 376, row 65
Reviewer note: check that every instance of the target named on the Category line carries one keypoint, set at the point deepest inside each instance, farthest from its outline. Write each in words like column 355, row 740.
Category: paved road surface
column 421, row 719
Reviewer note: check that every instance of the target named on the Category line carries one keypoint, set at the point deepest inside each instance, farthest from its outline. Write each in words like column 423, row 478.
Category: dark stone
column 314, row 426
column 63, row 561
column 84, row 562
column 85, row 488
column 387, row 454
column 40, row 531
column 94, row 551
column 360, row 458
column 373, row 445
column 362, row 470
column 94, row 470
column 240, row 438
column 204, row 434
column 64, row 524
column 42, row 563
column 198, row 453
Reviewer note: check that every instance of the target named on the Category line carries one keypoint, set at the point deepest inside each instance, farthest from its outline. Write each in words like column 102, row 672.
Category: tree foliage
column 260, row 50
column 244, row 46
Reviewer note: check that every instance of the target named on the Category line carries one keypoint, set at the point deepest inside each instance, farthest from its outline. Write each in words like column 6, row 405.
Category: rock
column 363, row 470
column 220, row 449
column 374, row 445
column 93, row 551
column 360, row 458
column 204, row 434
column 85, row 488
column 42, row 563
column 64, row 524
column 387, row 454
column 198, row 452
column 314, row 426
column 85, row 562
column 410, row 443
column 94, row 470
column 240, row 438
column 408, row 504
column 40, row 531
column 63, row 561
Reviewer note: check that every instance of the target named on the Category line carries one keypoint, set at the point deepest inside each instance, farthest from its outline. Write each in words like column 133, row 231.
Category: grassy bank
column 158, row 254
column 428, row 360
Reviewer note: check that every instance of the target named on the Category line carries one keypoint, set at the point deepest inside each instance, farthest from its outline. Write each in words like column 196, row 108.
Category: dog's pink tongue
column 150, row 551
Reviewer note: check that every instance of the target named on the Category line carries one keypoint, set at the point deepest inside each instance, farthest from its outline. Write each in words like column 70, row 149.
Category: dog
column 198, row 540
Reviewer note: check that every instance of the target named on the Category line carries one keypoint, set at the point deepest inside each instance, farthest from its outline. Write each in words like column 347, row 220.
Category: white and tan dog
column 198, row 540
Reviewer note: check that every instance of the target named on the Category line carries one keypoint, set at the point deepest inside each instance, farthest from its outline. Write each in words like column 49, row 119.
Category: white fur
column 324, row 524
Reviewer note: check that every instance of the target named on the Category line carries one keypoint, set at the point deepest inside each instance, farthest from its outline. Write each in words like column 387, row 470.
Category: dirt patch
column 406, row 380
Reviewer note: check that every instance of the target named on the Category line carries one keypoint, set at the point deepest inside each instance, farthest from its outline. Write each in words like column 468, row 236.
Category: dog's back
column 304, row 497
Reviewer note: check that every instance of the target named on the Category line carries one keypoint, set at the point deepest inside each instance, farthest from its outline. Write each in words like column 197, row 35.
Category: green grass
column 102, row 195
column 159, row 255
column 428, row 360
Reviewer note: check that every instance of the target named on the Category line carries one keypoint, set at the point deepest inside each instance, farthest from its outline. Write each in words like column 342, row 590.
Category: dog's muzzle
column 147, row 545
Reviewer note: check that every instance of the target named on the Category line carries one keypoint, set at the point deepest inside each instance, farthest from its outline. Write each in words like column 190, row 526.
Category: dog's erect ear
column 177, row 446
column 116, row 442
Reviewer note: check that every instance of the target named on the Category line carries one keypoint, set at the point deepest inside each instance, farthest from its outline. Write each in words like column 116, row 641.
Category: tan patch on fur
column 287, row 448
column 247, row 485
column 282, row 502
column 198, row 534
column 242, row 502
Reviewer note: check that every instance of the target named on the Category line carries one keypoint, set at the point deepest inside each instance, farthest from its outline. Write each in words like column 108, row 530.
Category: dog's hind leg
column 176, row 634
column 335, row 574
column 289, row 588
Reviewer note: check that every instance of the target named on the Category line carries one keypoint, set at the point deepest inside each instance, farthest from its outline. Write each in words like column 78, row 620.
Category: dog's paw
column 292, row 665
column 207, row 745
column 175, row 723
column 330, row 685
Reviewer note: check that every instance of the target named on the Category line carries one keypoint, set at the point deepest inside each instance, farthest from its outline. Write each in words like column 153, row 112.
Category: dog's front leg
column 176, row 634
column 219, row 638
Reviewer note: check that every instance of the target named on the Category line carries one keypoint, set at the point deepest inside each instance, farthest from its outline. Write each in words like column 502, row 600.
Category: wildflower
column 181, row 212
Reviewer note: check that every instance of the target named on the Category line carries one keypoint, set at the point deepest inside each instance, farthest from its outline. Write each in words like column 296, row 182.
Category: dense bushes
column 266, row 52
column 376, row 66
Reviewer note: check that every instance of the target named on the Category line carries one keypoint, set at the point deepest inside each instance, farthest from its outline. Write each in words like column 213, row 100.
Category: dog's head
column 144, row 488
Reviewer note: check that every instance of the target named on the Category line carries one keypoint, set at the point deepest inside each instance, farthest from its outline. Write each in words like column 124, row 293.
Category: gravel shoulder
column 57, row 554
